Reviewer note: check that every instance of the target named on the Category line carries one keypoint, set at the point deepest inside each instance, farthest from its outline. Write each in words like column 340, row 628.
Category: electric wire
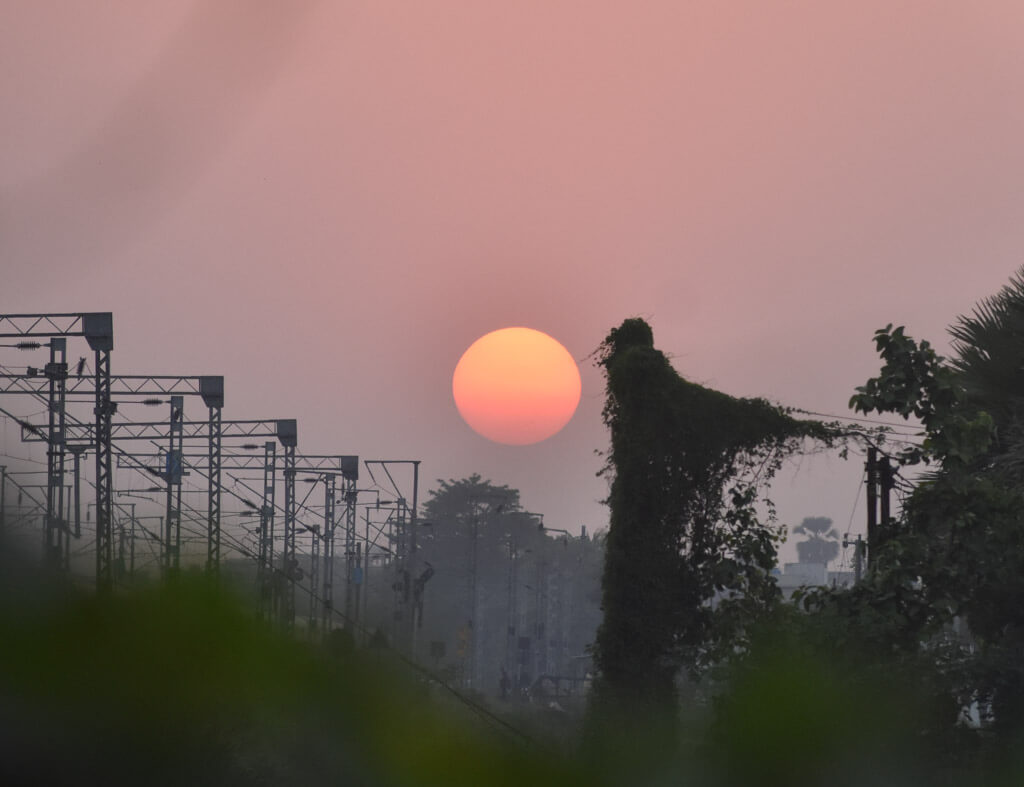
column 240, row 547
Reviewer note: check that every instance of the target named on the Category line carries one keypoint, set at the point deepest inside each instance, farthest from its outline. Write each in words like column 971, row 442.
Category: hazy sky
column 328, row 202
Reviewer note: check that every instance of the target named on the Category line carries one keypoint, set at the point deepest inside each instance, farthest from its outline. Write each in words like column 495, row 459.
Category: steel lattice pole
column 56, row 372
column 328, row 589
column 213, row 533
column 104, row 473
column 266, row 555
column 289, row 564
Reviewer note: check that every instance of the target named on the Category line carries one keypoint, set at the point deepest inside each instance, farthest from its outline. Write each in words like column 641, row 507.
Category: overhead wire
column 243, row 549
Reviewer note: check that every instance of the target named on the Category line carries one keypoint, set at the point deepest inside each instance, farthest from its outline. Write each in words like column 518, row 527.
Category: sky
column 328, row 202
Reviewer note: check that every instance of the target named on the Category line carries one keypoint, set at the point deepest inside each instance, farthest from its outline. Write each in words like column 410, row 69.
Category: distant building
column 799, row 575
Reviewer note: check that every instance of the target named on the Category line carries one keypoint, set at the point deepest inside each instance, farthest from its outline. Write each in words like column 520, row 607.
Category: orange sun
column 516, row 386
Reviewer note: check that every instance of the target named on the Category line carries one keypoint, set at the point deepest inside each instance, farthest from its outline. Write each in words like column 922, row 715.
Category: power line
column 904, row 425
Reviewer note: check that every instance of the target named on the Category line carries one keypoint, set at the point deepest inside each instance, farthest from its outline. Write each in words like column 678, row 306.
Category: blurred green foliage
column 181, row 685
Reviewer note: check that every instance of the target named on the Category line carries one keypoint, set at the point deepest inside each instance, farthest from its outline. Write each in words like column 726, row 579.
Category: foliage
column 822, row 542
column 688, row 558
column 178, row 685
column 457, row 502
column 952, row 575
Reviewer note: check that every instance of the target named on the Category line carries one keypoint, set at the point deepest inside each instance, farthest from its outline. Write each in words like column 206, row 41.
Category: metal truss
column 338, row 463
column 57, row 536
column 157, row 430
column 213, row 509
column 173, row 475
column 97, row 328
column 209, row 387
column 176, row 431
column 42, row 325
column 289, row 563
column 340, row 469
column 265, row 564
column 34, row 381
column 327, row 609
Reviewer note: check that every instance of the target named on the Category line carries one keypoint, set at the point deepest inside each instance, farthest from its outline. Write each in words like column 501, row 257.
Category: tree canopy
column 822, row 542
column 943, row 599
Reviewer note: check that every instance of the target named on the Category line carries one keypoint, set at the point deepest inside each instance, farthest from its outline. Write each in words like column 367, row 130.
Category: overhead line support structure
column 289, row 563
column 409, row 609
column 285, row 430
column 345, row 465
column 348, row 472
column 97, row 328
column 209, row 387
column 265, row 559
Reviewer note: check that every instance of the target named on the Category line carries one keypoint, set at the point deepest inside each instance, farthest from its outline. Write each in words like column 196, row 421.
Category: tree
column 822, row 542
column 500, row 580
column 688, row 557
column 957, row 552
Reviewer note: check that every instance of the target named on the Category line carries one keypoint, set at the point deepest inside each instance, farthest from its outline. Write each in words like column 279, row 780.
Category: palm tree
column 989, row 347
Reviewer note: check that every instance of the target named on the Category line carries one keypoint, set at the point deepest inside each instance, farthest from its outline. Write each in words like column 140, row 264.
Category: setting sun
column 516, row 386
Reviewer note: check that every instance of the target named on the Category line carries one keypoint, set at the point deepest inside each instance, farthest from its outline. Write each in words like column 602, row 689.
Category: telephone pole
column 880, row 482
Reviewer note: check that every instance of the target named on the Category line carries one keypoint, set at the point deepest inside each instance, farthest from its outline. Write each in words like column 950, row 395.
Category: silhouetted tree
column 822, row 543
column 500, row 579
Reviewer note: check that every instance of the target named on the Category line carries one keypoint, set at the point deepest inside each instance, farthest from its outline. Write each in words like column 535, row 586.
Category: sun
column 516, row 386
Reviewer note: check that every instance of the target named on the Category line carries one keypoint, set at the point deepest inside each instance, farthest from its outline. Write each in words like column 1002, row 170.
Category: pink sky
column 328, row 202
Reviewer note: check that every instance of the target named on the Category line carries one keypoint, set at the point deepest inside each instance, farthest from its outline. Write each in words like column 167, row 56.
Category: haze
column 328, row 202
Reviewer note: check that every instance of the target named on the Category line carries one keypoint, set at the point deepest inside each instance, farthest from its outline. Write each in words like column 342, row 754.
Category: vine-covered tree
column 688, row 558
column 822, row 542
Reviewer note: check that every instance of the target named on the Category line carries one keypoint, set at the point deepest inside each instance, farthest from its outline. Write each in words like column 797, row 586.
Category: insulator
column 152, row 402
column 250, row 447
column 28, row 345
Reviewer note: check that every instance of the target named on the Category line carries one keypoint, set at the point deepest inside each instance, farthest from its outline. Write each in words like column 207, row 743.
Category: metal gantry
column 97, row 328
column 289, row 561
column 76, row 434
column 342, row 470
column 284, row 430
column 409, row 587
column 62, row 389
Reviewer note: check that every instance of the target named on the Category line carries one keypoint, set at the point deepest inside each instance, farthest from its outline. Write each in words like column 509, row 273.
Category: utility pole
column 131, row 546
column 885, row 484
column 872, row 494
column 880, row 482
column 407, row 585
column 288, row 435
column 858, row 557
column 56, row 373
column 174, row 469
column 98, row 330
column 76, row 450
column 314, row 579
column 265, row 566
column 512, row 614
column 3, row 502
column 327, row 611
